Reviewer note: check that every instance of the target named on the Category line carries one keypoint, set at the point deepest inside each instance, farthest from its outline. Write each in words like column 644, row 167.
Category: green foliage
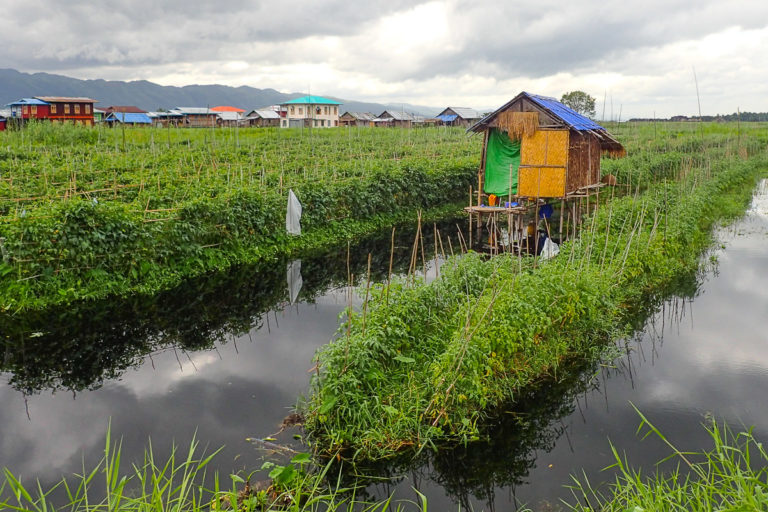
column 181, row 483
column 432, row 363
column 90, row 218
column 579, row 101
column 732, row 475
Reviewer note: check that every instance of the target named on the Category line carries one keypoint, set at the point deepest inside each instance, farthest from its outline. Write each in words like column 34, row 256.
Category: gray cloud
column 82, row 33
column 401, row 50
column 540, row 39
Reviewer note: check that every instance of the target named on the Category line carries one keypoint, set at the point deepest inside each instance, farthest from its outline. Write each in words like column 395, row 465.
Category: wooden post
column 470, row 216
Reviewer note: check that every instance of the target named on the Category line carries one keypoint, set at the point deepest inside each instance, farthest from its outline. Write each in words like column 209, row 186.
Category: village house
column 262, row 118
column 228, row 118
column 128, row 118
column 356, row 119
column 394, row 118
column 458, row 116
column 310, row 111
column 128, row 109
column 228, row 115
column 196, row 117
column 54, row 108
column 166, row 118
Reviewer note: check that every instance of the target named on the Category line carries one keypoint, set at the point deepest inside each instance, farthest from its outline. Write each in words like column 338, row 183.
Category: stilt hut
column 537, row 150
column 536, row 147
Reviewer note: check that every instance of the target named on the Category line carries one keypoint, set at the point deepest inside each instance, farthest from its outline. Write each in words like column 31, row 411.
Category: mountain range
column 151, row 96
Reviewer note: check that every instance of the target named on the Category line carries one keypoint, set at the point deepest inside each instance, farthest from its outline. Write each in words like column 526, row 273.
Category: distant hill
column 151, row 96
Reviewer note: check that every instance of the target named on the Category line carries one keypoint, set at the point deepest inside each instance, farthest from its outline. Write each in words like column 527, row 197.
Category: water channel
column 225, row 357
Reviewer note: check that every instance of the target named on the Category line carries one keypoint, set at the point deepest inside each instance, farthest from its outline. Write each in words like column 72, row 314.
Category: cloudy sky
column 640, row 55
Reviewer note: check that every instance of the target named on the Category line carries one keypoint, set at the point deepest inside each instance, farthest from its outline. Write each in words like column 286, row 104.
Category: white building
column 310, row 111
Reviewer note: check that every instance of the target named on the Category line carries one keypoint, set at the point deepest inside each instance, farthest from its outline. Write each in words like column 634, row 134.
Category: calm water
column 228, row 357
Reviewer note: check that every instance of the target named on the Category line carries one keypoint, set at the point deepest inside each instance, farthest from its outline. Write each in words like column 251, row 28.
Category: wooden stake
column 367, row 289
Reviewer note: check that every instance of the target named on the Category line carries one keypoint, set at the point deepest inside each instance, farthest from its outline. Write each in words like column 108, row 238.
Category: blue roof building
column 311, row 100
column 310, row 112
column 128, row 118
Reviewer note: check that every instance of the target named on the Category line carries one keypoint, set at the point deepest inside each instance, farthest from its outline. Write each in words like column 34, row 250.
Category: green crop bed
column 430, row 363
column 90, row 212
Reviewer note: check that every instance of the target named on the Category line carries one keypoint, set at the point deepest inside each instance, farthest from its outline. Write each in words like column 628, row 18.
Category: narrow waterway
column 702, row 355
column 221, row 358
column 226, row 357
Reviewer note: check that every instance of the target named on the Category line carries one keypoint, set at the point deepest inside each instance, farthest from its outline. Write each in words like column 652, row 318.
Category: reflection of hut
column 356, row 119
column 458, row 116
column 534, row 149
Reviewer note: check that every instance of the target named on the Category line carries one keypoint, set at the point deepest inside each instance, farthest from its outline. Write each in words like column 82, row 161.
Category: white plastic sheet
column 293, row 214
column 550, row 250
column 295, row 280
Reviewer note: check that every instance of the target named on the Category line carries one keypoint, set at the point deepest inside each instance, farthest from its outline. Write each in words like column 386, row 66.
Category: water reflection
column 699, row 354
column 702, row 352
column 80, row 347
column 474, row 475
column 224, row 356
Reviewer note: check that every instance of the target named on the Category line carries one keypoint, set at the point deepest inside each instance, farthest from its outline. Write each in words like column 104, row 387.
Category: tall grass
column 732, row 475
column 435, row 361
column 180, row 483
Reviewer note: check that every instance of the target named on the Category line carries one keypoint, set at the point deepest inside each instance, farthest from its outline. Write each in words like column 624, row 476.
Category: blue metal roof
column 27, row 101
column 129, row 117
column 311, row 100
column 568, row 115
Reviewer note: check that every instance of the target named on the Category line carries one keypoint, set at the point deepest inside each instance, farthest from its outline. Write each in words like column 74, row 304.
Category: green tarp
column 500, row 154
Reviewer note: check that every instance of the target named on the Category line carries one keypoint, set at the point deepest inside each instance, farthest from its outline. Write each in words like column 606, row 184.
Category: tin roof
column 193, row 111
column 65, row 99
column 361, row 116
column 26, row 101
column 264, row 114
column 462, row 112
column 129, row 118
column 227, row 108
column 396, row 115
column 163, row 114
column 229, row 115
column 125, row 108
column 311, row 100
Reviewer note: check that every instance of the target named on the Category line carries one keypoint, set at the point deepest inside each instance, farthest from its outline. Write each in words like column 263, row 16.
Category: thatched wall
column 583, row 160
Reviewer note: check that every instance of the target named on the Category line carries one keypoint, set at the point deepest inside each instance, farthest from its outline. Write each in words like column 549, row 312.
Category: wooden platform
column 512, row 210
